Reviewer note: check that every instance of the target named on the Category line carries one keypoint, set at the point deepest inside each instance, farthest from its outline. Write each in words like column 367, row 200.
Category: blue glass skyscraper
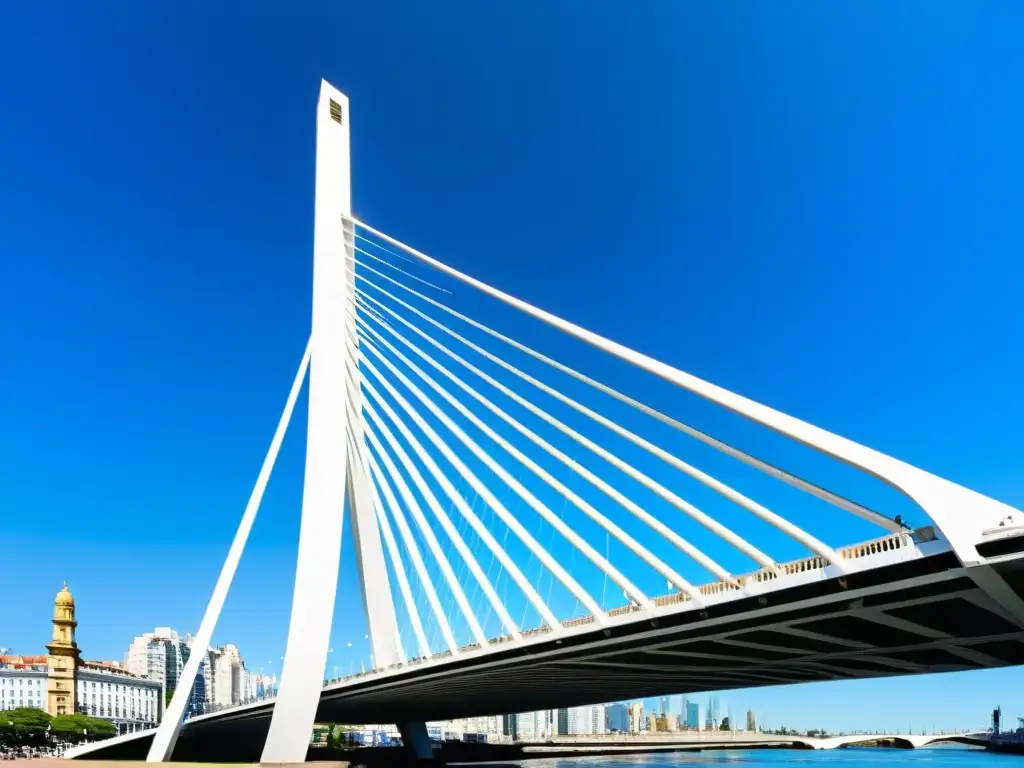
column 693, row 715
column 617, row 716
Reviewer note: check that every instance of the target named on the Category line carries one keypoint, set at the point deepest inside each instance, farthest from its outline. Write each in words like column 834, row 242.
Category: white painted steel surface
column 325, row 482
column 163, row 741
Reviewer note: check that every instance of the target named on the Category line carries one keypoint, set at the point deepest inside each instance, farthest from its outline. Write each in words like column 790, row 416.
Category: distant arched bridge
column 726, row 740
column 909, row 740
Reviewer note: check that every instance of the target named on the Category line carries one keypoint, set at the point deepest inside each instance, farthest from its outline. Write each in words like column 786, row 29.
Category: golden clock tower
column 62, row 663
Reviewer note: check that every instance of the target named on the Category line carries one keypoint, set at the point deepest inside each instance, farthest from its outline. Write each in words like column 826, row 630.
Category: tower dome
column 65, row 598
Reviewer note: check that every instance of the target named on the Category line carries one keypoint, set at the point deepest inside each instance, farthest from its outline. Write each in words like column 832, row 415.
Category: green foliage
column 335, row 733
column 79, row 724
column 168, row 695
column 25, row 717
column 725, row 725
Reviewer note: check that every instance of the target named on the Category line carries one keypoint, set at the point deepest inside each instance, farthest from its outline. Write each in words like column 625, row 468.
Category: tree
column 168, row 695
column 78, row 725
column 29, row 718
column 23, row 726
column 725, row 724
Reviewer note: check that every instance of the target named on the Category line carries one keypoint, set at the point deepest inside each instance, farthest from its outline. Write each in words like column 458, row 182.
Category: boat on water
column 1008, row 742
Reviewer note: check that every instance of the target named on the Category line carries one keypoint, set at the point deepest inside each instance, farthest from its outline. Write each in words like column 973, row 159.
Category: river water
column 930, row 757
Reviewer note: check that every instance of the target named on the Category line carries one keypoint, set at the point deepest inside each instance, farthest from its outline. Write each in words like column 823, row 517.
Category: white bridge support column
column 325, row 483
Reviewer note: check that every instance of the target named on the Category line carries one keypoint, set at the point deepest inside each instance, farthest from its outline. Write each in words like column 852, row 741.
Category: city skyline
column 160, row 655
column 163, row 276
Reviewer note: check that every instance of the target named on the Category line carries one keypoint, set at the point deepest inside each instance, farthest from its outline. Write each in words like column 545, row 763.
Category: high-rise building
column 533, row 725
column 751, row 723
column 230, row 677
column 636, row 717
column 204, row 685
column 714, row 716
column 579, row 721
column 693, row 721
column 562, row 722
column 489, row 724
column 161, row 656
column 677, row 707
column 663, row 705
column 583, row 720
column 616, row 718
column 508, row 725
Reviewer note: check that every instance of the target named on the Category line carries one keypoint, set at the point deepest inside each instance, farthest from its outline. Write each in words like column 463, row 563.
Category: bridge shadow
column 971, row 741
column 912, row 742
column 892, row 743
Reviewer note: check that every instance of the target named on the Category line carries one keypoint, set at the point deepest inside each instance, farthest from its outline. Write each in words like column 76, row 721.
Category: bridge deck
column 919, row 615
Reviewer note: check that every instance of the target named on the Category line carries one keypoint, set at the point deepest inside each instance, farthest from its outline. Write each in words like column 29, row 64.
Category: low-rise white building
column 61, row 683
column 107, row 691
column 22, row 682
column 102, row 689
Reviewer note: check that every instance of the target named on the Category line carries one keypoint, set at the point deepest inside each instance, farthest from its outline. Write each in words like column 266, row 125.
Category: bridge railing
column 874, row 547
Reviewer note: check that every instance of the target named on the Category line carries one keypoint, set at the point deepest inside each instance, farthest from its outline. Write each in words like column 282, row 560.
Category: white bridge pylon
column 447, row 453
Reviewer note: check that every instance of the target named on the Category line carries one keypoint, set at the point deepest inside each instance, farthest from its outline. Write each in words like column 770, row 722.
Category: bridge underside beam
column 640, row 660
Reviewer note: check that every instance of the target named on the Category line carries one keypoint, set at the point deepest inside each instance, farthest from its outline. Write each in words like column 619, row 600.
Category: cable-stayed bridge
column 528, row 536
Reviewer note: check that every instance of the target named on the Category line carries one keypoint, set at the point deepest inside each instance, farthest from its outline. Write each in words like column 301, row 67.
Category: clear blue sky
column 815, row 205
